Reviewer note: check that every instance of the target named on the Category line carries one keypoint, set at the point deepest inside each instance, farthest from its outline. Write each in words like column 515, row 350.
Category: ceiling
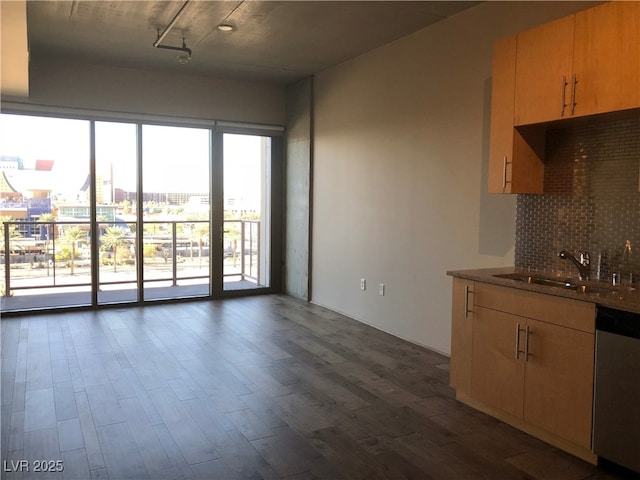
column 277, row 42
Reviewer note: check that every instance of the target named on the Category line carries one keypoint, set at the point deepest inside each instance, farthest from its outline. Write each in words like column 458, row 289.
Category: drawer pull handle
column 518, row 351
column 526, row 343
column 564, row 95
column 466, row 301
column 504, row 173
column 573, row 94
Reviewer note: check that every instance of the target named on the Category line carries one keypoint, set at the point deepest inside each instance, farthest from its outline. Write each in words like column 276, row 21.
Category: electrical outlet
column 381, row 289
column 363, row 284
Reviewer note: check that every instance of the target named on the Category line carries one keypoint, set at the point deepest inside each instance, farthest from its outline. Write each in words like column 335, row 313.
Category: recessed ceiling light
column 225, row 27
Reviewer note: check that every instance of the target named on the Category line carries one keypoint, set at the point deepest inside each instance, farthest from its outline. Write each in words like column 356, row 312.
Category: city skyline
column 171, row 155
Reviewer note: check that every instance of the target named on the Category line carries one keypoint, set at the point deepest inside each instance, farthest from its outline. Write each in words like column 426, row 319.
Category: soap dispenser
column 626, row 262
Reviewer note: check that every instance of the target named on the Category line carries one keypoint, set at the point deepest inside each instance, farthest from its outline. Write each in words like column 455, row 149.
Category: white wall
column 400, row 166
column 66, row 83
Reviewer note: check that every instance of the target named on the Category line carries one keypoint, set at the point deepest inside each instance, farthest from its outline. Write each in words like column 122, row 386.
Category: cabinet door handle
column 466, row 301
column 526, row 343
column 573, row 94
column 564, row 95
column 504, row 173
column 518, row 330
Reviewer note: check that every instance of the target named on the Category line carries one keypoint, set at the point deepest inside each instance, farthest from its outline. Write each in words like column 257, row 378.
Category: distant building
column 18, row 185
column 11, row 163
column 162, row 198
column 119, row 195
column 27, row 211
column 7, row 192
column 105, row 213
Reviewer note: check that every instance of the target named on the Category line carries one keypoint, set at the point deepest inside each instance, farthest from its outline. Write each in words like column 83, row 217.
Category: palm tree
column 49, row 218
column 73, row 235
column 13, row 232
column 113, row 238
column 202, row 234
column 126, row 206
column 13, row 237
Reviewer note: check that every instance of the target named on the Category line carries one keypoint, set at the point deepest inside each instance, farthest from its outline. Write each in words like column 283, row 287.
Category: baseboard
column 565, row 445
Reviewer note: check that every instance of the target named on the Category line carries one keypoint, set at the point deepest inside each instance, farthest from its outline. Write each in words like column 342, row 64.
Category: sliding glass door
column 103, row 212
column 45, row 212
column 247, row 211
column 176, row 178
column 116, row 212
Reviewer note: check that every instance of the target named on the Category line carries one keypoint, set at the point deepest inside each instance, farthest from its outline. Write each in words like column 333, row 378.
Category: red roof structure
column 44, row 165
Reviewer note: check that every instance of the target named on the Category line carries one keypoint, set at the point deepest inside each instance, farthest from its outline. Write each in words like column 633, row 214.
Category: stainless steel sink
column 580, row 287
column 553, row 283
column 550, row 282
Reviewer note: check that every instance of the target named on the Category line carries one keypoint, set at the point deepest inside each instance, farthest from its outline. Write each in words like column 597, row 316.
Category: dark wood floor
column 260, row 387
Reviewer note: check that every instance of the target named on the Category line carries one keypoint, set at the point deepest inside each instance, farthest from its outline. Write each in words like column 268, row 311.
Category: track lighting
column 183, row 59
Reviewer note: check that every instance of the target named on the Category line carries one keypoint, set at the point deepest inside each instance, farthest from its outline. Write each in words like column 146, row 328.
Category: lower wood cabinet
column 497, row 376
column 558, row 387
column 461, row 336
column 530, row 363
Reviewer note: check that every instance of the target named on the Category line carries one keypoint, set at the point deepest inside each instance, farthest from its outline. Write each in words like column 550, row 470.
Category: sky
column 175, row 159
column 36, row 138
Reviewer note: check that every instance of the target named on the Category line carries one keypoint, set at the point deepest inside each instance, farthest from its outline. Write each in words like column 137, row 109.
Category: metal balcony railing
column 248, row 231
column 49, row 256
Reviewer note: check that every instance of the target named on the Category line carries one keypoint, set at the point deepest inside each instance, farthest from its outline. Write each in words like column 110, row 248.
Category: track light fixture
column 181, row 58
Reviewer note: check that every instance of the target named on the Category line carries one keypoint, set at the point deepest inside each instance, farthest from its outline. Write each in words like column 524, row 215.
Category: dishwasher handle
column 619, row 322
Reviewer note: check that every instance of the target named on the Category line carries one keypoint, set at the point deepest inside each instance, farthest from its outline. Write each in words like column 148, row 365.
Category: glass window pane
column 175, row 176
column 247, row 177
column 116, row 198
column 46, row 213
column 44, row 201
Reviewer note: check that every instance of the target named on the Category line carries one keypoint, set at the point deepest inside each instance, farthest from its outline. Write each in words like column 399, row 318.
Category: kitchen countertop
column 623, row 297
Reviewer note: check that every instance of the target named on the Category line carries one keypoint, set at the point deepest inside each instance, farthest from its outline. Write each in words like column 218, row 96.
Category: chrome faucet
column 583, row 263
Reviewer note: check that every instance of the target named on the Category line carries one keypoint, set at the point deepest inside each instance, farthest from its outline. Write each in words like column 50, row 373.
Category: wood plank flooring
column 248, row 388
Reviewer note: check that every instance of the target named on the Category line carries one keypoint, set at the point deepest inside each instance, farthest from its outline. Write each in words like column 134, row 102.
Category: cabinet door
column 558, row 392
column 607, row 58
column 497, row 376
column 461, row 334
column 515, row 163
column 544, row 72
column 503, row 83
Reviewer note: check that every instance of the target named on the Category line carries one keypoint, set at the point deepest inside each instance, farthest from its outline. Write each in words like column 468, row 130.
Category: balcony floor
column 31, row 300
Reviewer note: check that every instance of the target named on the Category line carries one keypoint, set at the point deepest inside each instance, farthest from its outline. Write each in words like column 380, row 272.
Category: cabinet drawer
column 547, row 308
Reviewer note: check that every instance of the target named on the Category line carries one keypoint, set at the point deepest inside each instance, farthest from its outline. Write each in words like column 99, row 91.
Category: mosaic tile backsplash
column 591, row 202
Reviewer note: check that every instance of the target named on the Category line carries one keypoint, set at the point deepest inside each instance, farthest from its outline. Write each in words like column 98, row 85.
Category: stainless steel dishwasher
column 616, row 410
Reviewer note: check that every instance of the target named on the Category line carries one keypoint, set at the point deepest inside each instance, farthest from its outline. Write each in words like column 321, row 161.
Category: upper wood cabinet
column 606, row 58
column 583, row 64
column 515, row 165
column 543, row 73
column 502, row 98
